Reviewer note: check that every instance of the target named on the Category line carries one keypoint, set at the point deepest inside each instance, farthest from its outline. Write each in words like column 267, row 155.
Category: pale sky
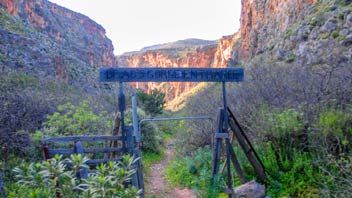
column 134, row 24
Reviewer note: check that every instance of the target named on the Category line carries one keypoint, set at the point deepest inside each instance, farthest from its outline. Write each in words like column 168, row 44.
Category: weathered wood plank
column 85, row 150
column 81, row 138
column 100, row 161
column 237, row 166
column 246, row 146
column 171, row 74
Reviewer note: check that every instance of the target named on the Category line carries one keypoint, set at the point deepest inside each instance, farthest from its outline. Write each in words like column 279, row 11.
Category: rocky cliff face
column 225, row 49
column 186, row 53
column 305, row 32
column 41, row 37
column 262, row 21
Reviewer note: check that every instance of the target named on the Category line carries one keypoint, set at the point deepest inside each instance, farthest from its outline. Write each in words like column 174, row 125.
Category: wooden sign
column 171, row 74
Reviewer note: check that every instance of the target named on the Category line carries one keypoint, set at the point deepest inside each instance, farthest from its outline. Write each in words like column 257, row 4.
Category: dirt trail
column 157, row 185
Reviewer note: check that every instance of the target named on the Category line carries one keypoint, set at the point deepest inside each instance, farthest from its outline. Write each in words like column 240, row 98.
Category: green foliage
column 25, row 102
column 281, row 122
column 290, row 174
column 13, row 24
column 78, row 120
column 335, row 34
column 194, row 172
column 151, row 137
column 150, row 158
column 290, row 58
column 336, row 126
column 54, row 176
column 168, row 129
column 152, row 103
column 335, row 122
column 339, row 170
column 291, row 30
column 324, row 35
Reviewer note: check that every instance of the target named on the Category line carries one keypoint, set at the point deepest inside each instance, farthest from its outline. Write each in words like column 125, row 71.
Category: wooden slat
column 81, row 138
column 85, row 150
column 102, row 150
column 53, row 152
column 99, row 161
column 237, row 166
column 246, row 146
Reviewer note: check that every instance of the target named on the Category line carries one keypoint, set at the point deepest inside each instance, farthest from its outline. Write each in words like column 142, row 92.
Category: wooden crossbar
column 81, row 138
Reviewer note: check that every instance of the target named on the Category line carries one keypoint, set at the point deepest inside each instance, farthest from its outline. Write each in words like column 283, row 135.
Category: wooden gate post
column 137, row 139
column 131, row 151
column 83, row 172
column 2, row 189
column 217, row 146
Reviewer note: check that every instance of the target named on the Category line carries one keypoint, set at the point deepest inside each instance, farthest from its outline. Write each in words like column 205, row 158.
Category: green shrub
column 152, row 103
column 289, row 175
column 283, row 122
column 78, row 120
column 335, row 34
column 336, row 126
column 194, row 172
column 151, row 135
column 54, row 176
column 151, row 140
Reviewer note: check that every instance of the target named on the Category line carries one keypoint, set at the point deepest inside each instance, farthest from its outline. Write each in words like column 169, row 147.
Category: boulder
column 251, row 189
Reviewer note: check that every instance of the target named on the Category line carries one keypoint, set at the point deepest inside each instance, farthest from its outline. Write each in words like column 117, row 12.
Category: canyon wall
column 310, row 33
column 41, row 37
column 264, row 20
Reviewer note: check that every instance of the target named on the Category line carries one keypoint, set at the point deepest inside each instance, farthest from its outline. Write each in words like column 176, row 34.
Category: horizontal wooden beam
column 171, row 74
column 52, row 152
column 100, row 161
column 81, row 138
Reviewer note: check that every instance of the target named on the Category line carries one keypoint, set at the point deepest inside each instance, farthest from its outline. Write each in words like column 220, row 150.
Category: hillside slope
column 49, row 56
column 40, row 37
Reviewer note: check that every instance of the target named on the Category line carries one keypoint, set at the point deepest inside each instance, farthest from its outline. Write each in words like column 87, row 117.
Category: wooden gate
column 181, row 75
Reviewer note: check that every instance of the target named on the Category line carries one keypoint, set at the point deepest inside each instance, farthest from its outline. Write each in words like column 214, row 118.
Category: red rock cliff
column 262, row 20
column 201, row 56
column 179, row 54
column 225, row 49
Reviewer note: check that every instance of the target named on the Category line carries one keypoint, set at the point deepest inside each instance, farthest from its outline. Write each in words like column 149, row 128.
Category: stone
column 344, row 32
column 280, row 54
column 251, row 189
column 302, row 33
column 348, row 40
column 349, row 19
column 329, row 26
